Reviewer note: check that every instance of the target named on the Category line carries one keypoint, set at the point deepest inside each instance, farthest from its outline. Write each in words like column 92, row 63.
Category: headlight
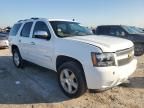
column 103, row 59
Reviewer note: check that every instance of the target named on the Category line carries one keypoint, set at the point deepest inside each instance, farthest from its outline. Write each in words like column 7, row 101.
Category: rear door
column 24, row 40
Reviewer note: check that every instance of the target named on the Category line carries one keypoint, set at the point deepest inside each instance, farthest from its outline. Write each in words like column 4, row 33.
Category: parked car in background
column 4, row 40
column 126, row 32
column 83, row 61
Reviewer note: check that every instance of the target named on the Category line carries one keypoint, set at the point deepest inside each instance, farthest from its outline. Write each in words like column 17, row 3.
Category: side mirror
column 41, row 35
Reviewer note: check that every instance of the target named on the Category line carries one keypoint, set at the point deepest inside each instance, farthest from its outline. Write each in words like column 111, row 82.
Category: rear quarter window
column 15, row 29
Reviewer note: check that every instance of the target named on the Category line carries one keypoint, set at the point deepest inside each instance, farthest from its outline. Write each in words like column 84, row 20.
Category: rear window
column 15, row 29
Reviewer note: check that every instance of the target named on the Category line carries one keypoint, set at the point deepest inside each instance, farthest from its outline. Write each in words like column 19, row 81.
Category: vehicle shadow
column 32, row 84
column 135, row 82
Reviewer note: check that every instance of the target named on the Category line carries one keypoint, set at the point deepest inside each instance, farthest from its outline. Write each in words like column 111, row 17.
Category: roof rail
column 34, row 18
column 28, row 19
column 20, row 20
column 25, row 19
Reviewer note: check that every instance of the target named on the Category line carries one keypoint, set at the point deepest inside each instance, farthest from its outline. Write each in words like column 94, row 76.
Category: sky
column 87, row 12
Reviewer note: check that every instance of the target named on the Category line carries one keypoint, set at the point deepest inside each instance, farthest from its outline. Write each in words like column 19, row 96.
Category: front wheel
column 71, row 79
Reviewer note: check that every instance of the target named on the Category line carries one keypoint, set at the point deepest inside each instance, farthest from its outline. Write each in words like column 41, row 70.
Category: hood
column 106, row 43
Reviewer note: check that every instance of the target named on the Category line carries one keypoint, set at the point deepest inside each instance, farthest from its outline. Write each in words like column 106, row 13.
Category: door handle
column 20, row 41
column 32, row 43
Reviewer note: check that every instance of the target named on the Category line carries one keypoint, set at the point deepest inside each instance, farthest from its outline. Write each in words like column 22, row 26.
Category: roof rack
column 20, row 20
column 28, row 19
column 34, row 18
column 25, row 19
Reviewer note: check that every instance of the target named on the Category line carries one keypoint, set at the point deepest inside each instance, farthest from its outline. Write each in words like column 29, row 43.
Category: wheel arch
column 14, row 47
column 62, row 59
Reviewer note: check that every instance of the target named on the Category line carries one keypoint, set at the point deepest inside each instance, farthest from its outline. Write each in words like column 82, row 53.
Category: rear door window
column 26, row 29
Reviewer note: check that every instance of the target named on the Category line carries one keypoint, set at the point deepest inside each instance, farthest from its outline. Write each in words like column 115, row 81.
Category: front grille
column 129, row 53
column 126, row 51
column 124, row 61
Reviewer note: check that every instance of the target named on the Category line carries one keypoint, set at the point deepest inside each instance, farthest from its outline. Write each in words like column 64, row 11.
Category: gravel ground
column 37, row 87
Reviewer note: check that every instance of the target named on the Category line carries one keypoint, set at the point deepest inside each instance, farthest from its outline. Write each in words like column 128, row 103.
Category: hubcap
column 16, row 58
column 68, row 81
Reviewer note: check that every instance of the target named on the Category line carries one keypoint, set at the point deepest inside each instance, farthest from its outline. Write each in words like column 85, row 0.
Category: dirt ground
column 36, row 87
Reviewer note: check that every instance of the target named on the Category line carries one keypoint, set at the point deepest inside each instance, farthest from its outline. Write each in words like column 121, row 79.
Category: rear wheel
column 17, row 59
column 71, row 79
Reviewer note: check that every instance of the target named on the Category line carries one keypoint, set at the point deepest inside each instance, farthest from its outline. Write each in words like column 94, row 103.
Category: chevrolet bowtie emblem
column 129, row 55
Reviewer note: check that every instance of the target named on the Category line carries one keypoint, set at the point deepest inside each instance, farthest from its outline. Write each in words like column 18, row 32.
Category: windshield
column 68, row 29
column 130, row 30
column 137, row 29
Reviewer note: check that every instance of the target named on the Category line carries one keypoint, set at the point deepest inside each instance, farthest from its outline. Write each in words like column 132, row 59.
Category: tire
column 139, row 50
column 17, row 59
column 76, row 79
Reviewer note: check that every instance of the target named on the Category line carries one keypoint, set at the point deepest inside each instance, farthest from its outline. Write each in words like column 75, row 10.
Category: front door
column 42, row 48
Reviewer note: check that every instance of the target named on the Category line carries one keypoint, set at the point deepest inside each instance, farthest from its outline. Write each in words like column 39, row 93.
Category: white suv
column 83, row 60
